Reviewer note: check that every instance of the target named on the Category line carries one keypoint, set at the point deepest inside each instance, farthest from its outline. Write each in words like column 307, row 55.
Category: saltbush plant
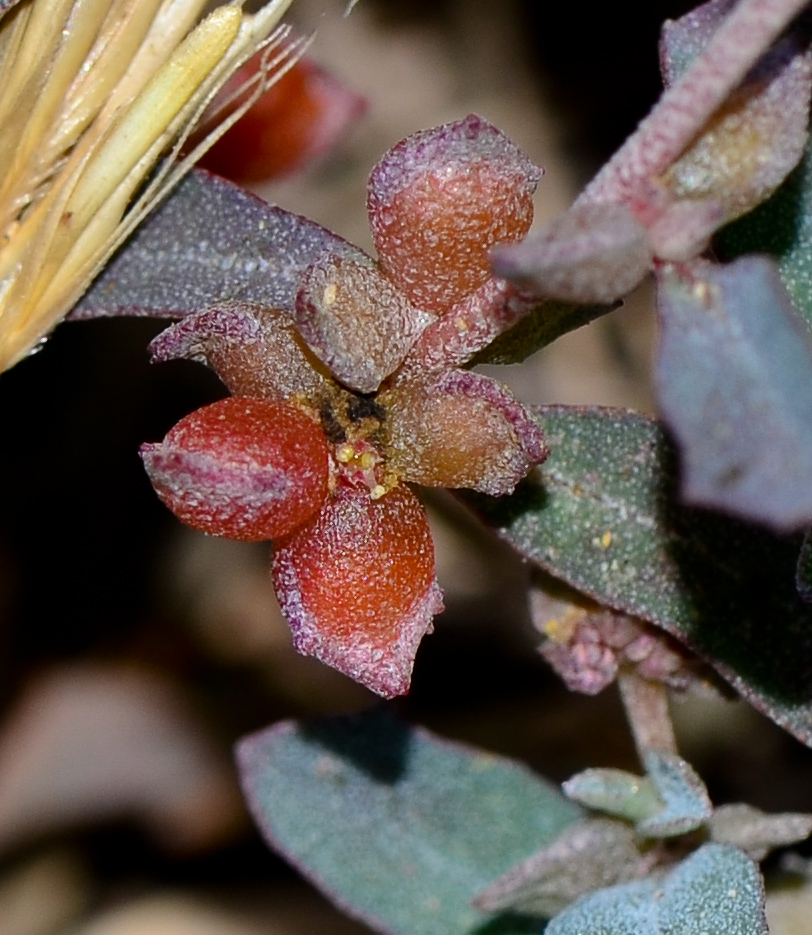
column 668, row 546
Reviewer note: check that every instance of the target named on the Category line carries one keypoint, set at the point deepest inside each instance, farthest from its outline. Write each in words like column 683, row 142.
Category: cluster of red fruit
column 337, row 405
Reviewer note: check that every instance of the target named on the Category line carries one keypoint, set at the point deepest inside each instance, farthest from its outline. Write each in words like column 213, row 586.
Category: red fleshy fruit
column 439, row 200
column 242, row 467
column 357, row 585
column 299, row 118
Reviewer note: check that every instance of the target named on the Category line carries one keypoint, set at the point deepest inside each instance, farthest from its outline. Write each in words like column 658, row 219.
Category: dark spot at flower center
column 365, row 407
column 332, row 428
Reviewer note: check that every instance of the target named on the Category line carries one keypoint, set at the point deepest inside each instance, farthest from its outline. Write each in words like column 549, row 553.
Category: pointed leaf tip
column 593, row 253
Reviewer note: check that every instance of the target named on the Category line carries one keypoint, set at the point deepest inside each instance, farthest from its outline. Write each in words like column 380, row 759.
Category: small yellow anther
column 461, row 325
column 345, row 453
column 330, row 293
column 368, row 460
column 377, row 492
column 606, row 539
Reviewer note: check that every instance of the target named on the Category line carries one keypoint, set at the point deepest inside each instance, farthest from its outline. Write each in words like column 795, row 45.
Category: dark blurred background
column 133, row 653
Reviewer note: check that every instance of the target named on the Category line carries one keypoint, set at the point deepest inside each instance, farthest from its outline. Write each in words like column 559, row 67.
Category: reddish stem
column 467, row 327
column 646, row 705
column 685, row 107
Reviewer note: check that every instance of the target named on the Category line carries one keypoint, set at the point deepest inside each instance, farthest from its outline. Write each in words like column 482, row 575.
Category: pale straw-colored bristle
column 92, row 94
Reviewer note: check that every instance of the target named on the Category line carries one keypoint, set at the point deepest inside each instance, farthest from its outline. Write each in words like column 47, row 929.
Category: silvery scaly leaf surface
column 210, row 242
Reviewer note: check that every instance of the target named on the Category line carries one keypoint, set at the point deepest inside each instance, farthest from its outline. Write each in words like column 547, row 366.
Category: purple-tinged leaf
column 724, row 588
column 756, row 138
column 756, row 832
column 715, row 891
column 210, row 242
column 395, row 825
column 753, row 142
column 588, row 854
column 462, row 429
column 252, row 348
column 590, row 254
column 735, row 385
column 683, row 39
column 633, row 176
column 355, row 320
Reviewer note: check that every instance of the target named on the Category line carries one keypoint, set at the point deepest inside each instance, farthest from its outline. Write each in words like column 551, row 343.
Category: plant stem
column 685, row 107
column 646, row 705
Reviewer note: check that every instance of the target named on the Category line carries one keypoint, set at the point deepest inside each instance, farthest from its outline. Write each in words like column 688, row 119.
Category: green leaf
column 400, row 828
column 603, row 515
column 615, row 792
column 715, row 891
column 540, row 327
column 781, row 227
column 687, row 805
column 734, row 375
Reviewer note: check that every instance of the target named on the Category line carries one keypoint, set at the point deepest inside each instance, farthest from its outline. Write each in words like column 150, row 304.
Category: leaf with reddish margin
column 398, row 827
column 210, row 242
column 683, row 39
column 460, row 429
column 603, row 514
column 735, row 385
column 592, row 253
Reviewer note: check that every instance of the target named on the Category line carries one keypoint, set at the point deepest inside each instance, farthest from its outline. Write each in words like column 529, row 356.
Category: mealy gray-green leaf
column 603, row 514
column 734, row 375
column 715, row 891
column 686, row 805
column 614, row 792
column 210, row 242
column 398, row 827
column 781, row 227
